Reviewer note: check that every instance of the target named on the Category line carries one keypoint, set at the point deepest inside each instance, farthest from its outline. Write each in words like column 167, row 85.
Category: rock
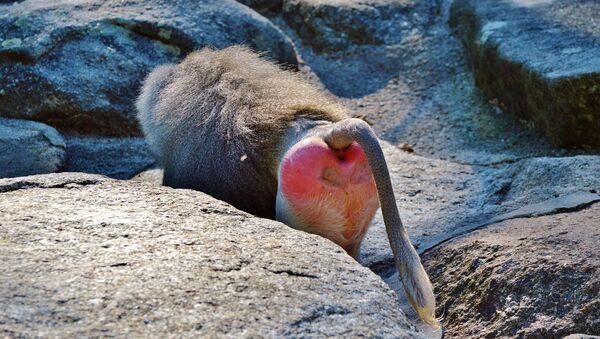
column 28, row 147
column 522, row 278
column 84, row 255
column 441, row 199
column 78, row 65
column 263, row 5
column 336, row 25
column 539, row 59
column 119, row 158
column 152, row 176
column 534, row 180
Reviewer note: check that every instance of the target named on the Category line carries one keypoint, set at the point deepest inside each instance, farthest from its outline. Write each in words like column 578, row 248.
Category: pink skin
column 329, row 192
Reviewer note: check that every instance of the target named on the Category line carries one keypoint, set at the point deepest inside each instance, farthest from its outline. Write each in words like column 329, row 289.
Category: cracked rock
column 533, row 277
column 84, row 255
column 336, row 25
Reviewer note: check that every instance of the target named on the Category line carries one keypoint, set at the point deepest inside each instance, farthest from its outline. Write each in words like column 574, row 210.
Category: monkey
column 239, row 127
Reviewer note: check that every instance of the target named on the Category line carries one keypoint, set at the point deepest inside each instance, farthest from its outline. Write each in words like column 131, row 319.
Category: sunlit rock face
column 531, row 3
column 89, row 256
column 329, row 26
column 539, row 60
column 524, row 278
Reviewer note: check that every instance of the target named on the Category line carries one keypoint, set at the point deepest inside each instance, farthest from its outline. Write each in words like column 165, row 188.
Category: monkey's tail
column 414, row 278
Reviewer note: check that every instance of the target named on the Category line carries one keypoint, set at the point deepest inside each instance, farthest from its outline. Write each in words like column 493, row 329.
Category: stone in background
column 78, row 66
column 118, row 158
column 28, row 147
column 339, row 25
column 540, row 60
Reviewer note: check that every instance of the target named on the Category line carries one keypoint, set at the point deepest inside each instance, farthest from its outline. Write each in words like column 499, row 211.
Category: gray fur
column 216, row 123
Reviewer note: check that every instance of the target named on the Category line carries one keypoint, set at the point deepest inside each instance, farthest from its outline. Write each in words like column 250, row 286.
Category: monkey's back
column 216, row 122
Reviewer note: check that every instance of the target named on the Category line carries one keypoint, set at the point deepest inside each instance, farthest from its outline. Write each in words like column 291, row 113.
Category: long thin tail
column 414, row 278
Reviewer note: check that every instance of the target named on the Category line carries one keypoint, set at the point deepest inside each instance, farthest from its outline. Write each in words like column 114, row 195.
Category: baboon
column 236, row 126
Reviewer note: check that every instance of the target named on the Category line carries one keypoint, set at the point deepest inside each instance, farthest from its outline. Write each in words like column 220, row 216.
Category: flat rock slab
column 28, row 147
column 540, row 60
column 522, row 278
column 84, row 255
column 337, row 25
column 78, row 65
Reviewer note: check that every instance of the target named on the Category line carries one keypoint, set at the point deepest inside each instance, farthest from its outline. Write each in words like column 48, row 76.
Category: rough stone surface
column 152, row 176
column 84, row 255
column 554, row 82
column 441, row 199
column 78, row 65
column 28, row 147
column 119, row 158
column 340, row 24
column 523, row 278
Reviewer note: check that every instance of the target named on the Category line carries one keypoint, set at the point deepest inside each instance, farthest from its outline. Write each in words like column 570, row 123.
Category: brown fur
column 223, row 107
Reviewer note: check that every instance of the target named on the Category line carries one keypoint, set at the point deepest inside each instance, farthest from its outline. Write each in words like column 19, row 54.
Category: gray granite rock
column 441, row 199
column 78, row 65
column 581, row 336
column 523, row 278
column 28, row 147
column 119, row 158
column 534, row 180
column 540, row 60
column 337, row 25
column 152, row 176
column 84, row 255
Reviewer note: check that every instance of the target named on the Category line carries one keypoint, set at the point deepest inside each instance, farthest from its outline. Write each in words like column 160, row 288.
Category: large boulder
column 336, row 25
column 84, row 255
column 28, row 147
column 78, row 65
column 538, row 60
column 522, row 278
